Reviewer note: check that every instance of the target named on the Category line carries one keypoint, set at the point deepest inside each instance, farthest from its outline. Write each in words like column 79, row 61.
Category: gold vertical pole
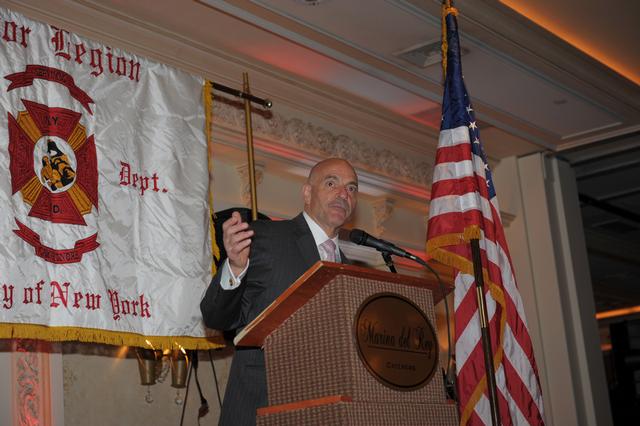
column 250, row 157
column 485, row 333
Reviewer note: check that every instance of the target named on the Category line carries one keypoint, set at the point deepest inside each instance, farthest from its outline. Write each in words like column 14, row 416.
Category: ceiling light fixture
column 618, row 312
column 425, row 54
column 310, row 2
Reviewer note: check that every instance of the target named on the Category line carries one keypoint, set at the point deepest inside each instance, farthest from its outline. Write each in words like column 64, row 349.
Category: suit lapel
column 305, row 241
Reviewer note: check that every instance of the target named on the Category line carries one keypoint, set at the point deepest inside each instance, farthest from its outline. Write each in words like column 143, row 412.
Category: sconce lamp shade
column 148, row 365
column 179, row 368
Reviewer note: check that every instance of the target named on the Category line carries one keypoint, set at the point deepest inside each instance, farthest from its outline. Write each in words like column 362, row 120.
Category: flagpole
column 250, row 157
column 484, row 329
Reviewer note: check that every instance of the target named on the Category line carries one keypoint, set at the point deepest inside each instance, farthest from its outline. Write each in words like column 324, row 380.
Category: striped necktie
column 329, row 248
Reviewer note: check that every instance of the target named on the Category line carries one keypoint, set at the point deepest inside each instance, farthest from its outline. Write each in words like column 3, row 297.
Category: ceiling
column 575, row 20
column 528, row 86
column 566, row 84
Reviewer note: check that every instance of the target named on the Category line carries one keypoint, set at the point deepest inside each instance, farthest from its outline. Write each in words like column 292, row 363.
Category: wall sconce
column 179, row 368
column 154, row 366
column 148, row 365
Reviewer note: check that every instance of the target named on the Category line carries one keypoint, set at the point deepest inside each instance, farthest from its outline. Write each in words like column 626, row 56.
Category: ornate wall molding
column 304, row 135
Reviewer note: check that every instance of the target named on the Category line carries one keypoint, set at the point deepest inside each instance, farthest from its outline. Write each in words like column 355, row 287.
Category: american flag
column 463, row 207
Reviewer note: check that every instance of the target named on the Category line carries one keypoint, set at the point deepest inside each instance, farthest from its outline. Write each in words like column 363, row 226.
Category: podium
column 346, row 345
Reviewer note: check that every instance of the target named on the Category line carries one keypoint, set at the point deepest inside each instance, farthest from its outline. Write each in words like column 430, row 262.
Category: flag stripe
column 482, row 413
column 454, row 153
column 521, row 366
column 472, row 166
column 455, row 136
column 459, row 186
column 507, row 404
column 460, row 204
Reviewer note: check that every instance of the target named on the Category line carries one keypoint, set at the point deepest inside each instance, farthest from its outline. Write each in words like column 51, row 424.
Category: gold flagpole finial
column 446, row 9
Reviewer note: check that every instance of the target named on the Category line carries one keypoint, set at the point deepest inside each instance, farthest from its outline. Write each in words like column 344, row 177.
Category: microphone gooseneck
column 358, row 236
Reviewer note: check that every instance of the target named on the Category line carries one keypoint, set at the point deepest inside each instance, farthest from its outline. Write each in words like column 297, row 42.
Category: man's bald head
column 316, row 170
column 331, row 193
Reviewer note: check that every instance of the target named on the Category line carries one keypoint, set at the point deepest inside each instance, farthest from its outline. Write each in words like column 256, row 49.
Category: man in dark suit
column 263, row 260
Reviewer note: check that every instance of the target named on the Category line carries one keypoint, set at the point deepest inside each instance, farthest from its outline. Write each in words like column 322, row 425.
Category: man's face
column 331, row 194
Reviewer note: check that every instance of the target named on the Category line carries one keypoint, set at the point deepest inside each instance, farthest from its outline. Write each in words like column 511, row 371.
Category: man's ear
column 306, row 194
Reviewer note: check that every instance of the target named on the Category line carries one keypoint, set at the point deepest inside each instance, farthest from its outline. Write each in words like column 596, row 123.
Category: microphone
column 360, row 237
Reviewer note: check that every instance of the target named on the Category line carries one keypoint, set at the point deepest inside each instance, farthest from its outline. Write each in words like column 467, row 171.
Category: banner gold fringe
column 94, row 335
column 207, row 94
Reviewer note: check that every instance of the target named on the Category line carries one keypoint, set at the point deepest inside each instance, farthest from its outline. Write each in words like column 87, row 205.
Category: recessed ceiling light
column 310, row 2
column 425, row 54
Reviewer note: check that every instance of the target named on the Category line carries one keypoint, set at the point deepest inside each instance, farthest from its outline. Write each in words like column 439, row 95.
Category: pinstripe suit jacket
column 281, row 251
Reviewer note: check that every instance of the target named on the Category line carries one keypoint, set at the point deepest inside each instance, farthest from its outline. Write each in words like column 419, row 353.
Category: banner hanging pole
column 240, row 94
column 486, row 335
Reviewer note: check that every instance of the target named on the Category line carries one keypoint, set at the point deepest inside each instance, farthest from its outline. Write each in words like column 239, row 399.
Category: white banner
column 104, row 228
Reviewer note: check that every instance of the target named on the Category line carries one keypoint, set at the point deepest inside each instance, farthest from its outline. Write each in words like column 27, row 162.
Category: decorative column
column 31, row 390
column 382, row 210
column 30, row 378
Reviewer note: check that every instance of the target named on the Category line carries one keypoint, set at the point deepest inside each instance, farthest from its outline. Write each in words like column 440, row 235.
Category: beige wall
column 103, row 389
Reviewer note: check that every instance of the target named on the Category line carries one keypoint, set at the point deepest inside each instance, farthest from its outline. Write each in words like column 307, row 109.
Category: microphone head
column 357, row 236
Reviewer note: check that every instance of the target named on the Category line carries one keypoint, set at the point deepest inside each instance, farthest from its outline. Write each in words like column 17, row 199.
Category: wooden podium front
column 317, row 372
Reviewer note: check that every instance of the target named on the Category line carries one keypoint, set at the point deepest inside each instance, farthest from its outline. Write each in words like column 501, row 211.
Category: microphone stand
column 388, row 261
